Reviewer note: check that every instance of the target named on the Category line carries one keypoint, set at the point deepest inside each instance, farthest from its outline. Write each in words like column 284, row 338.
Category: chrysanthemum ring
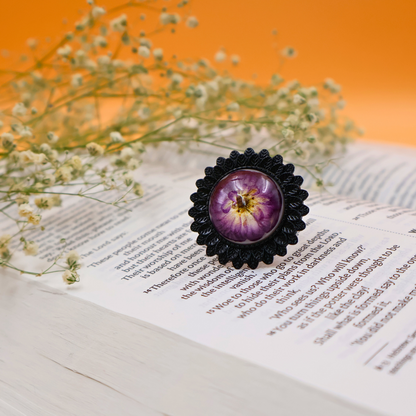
column 248, row 208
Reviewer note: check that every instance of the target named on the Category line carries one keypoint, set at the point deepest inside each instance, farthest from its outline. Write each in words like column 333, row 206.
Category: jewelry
column 248, row 208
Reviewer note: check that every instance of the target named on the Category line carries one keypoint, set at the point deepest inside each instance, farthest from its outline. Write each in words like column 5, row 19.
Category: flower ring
column 248, row 208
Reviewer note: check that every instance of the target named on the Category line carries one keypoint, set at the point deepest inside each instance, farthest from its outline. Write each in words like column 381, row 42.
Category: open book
column 337, row 313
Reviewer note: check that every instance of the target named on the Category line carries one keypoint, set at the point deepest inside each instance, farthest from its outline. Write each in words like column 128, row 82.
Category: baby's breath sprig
column 83, row 113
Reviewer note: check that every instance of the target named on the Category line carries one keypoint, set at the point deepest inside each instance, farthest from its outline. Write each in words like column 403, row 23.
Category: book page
column 375, row 172
column 338, row 312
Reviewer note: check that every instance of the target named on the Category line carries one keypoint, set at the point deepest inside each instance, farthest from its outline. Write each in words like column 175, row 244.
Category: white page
column 148, row 266
column 375, row 172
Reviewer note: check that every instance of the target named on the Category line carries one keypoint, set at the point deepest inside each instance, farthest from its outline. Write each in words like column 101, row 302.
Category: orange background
column 368, row 46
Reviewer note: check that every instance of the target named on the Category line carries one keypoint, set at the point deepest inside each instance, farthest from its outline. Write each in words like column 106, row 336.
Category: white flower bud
column 65, row 51
column 158, row 53
column 7, row 140
column 144, row 51
column 192, row 22
column 70, row 277
column 119, row 24
column 233, row 107
column 76, row 80
column 52, row 137
column 19, row 110
column 97, row 12
column 289, row 52
column 298, row 99
column 220, row 56
column 116, row 137
column 25, row 210
column 95, row 149
column 235, row 59
column 31, row 248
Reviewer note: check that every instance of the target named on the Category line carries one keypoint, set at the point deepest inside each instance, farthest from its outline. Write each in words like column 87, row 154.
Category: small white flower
column 70, row 277
column 53, row 155
column 233, row 107
column 341, row 104
column 235, row 59
column 282, row 92
column 288, row 133
column 29, row 157
column 276, row 79
column 116, row 137
column 138, row 147
column 4, row 240
column 332, row 86
column 133, row 164
column 313, row 102
column 31, row 248
column 192, row 22
column 213, row 87
column 220, row 56
column 45, row 148
column 97, row 12
column 76, row 80
column 100, row 41
column 75, row 162
column 52, row 137
column 44, row 202
column 32, row 43
column 126, row 154
column 144, row 113
column 64, row 174
column 103, row 60
column 26, row 132
column 128, row 178
column 95, row 149
column 65, row 51
column 289, row 52
column 298, row 99
column 146, row 42
column 175, row 18
column 21, row 199
column 118, row 63
column 138, row 190
column 119, row 24
column 39, row 158
column 202, row 96
column 144, row 51
column 164, row 18
column 7, row 140
column 34, row 219
column 158, row 53
column 25, row 210
column 291, row 120
column 72, row 258
column 48, row 179
column 177, row 78
column 292, row 85
column 19, row 110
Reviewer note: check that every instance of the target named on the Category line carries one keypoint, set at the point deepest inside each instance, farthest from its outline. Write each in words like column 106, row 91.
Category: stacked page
column 337, row 313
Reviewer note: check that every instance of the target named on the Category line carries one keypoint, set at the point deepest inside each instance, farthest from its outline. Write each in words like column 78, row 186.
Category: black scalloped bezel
column 289, row 224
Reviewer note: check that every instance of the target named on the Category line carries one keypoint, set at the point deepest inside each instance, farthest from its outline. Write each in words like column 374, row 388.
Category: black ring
column 288, row 226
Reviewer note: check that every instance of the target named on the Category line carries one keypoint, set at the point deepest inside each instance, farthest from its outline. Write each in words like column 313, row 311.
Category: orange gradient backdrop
column 368, row 46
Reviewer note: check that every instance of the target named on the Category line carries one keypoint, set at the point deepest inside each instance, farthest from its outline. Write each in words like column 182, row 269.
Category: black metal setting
column 285, row 233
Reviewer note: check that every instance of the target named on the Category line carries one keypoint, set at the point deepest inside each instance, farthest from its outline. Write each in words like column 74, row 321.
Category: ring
column 248, row 208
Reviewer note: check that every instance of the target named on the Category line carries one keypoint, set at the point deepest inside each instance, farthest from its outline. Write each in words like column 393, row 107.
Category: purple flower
column 246, row 206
